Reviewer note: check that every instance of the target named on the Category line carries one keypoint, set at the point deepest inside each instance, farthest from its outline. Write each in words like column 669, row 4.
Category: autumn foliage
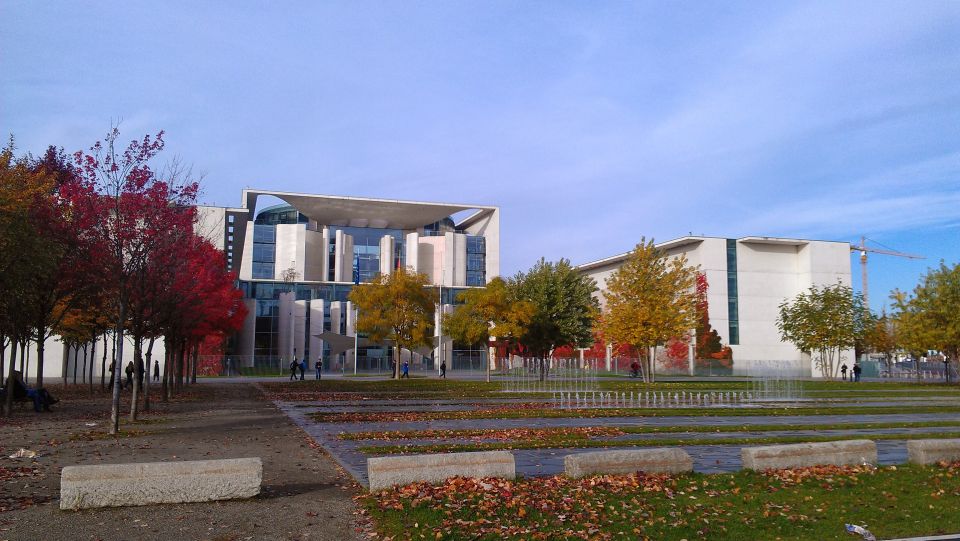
column 100, row 241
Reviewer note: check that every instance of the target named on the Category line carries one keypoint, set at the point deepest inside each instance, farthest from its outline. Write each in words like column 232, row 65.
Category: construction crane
column 863, row 249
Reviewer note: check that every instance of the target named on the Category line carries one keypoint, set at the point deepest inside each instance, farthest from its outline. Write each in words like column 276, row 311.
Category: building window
column 733, row 310
column 476, row 260
column 264, row 251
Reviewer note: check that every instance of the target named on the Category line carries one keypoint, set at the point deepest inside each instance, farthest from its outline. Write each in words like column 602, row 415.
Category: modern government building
column 748, row 279
column 297, row 261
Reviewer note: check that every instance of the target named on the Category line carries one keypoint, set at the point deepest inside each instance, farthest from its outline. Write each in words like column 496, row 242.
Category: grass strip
column 480, row 433
column 582, row 443
column 550, row 413
column 788, row 505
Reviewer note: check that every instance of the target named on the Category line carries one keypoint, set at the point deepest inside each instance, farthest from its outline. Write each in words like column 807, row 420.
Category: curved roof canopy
column 363, row 212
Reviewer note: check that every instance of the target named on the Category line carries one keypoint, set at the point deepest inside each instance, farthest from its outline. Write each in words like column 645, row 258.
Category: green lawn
column 573, row 441
column 806, row 504
column 481, row 433
column 532, row 412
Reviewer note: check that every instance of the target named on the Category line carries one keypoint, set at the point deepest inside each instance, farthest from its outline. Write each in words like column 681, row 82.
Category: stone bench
column 115, row 485
column 835, row 453
column 387, row 471
column 933, row 451
column 627, row 461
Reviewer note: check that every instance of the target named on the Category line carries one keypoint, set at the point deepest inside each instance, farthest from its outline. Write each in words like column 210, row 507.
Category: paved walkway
column 541, row 462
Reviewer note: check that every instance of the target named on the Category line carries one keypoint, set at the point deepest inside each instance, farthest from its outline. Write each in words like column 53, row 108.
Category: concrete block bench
column 387, row 471
column 115, row 485
column 835, row 453
column 933, row 451
column 627, row 461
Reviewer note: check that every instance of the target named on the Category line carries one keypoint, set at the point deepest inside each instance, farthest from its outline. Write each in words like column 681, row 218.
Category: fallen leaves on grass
column 493, row 434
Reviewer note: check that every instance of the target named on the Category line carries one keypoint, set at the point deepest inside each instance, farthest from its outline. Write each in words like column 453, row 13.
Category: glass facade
column 476, row 261
column 366, row 250
column 265, row 290
column 280, row 214
column 732, row 302
column 264, row 251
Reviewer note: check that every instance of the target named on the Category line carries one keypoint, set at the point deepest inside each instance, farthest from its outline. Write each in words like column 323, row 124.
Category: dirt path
column 304, row 495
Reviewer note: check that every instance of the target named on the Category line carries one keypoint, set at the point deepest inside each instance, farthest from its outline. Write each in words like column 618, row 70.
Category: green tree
column 880, row 336
column 928, row 318
column 649, row 300
column 490, row 311
column 823, row 322
column 398, row 307
column 564, row 308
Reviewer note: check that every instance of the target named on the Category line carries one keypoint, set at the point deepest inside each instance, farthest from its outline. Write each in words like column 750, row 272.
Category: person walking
column 156, row 370
column 443, row 369
column 293, row 369
column 406, row 369
column 129, row 371
column 843, row 371
column 319, row 366
column 303, row 367
column 856, row 372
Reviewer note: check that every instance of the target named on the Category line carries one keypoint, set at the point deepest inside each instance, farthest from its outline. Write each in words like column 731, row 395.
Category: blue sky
column 589, row 124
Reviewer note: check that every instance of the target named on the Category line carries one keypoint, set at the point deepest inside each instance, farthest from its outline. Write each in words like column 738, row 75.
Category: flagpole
column 356, row 340
column 356, row 320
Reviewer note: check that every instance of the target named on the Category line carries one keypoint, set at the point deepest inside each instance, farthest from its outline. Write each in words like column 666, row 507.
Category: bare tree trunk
column 137, row 376
column 168, row 351
column 653, row 365
column 196, row 361
column 178, row 378
column 76, row 354
column 117, row 362
column 23, row 360
column 3, row 352
column 65, row 364
column 83, row 372
column 93, row 356
column 103, row 363
column 146, row 366
column 41, row 347
column 13, row 357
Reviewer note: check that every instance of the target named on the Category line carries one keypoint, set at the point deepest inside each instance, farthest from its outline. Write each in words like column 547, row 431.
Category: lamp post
column 356, row 340
column 440, row 321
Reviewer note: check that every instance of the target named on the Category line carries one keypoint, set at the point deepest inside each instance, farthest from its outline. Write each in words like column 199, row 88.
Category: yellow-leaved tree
column 490, row 311
column 397, row 307
column 648, row 300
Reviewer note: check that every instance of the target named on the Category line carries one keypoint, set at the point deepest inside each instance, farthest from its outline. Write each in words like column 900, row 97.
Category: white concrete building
column 298, row 261
column 748, row 279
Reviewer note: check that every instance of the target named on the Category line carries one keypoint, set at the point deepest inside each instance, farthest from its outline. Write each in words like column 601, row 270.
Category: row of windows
column 732, row 302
